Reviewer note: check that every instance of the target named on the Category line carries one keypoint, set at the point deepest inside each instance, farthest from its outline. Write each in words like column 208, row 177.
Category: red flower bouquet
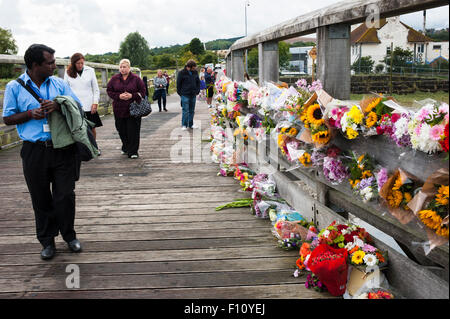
column 330, row 266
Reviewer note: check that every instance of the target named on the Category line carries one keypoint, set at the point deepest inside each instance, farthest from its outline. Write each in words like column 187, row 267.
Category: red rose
column 395, row 117
column 380, row 131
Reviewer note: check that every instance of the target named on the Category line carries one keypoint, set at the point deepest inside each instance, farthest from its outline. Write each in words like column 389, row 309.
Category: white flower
column 401, row 127
column 370, row 260
column 349, row 246
column 326, row 233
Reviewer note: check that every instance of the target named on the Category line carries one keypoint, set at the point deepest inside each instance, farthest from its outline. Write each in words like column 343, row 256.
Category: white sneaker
column 194, row 127
column 184, row 128
column 134, row 156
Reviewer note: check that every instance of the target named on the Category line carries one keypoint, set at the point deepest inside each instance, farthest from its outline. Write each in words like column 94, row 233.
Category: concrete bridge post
column 333, row 60
column 228, row 66
column 237, row 61
column 269, row 63
column 61, row 71
column 104, row 77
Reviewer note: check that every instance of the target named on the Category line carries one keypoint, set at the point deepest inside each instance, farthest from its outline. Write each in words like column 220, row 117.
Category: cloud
column 99, row 26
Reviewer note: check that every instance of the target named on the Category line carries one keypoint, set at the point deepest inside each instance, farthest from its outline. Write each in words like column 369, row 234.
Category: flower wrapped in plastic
column 330, row 266
column 376, row 293
column 365, row 256
column 340, row 235
column 352, row 122
column 430, row 205
column 374, row 109
column 427, row 128
column 397, row 192
column 334, row 170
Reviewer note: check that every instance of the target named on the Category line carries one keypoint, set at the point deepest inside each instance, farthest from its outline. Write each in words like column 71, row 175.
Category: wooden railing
column 332, row 26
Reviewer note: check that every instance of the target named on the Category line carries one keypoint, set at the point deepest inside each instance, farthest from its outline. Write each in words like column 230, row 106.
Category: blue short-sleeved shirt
column 17, row 100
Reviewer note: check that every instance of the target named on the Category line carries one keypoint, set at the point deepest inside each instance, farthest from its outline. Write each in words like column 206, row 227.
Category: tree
column 186, row 57
column 135, row 48
column 208, row 57
column 402, row 58
column 196, row 47
column 164, row 61
column 363, row 65
column 7, row 46
column 285, row 54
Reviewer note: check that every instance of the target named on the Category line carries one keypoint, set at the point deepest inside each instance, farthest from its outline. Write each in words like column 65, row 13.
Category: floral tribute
column 436, row 212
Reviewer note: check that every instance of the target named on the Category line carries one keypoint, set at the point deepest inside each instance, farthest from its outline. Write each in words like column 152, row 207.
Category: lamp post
column 247, row 4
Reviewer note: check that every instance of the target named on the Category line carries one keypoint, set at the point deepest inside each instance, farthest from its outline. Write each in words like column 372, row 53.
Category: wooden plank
column 149, row 268
column 286, row 291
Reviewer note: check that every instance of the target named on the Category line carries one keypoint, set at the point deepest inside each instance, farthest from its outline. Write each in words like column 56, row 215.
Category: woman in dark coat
column 125, row 88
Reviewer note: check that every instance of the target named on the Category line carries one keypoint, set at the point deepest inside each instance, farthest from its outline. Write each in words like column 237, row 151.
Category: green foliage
column 163, row 61
column 284, row 56
column 302, row 44
column 135, row 48
column 196, row 47
column 7, row 46
column 438, row 35
column 363, row 65
column 107, row 58
column 186, row 57
column 208, row 57
column 379, row 68
column 220, row 44
column 401, row 58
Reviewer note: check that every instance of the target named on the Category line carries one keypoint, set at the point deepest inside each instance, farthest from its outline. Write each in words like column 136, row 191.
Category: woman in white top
column 83, row 82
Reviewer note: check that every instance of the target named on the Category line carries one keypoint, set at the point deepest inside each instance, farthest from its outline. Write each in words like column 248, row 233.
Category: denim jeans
column 188, row 106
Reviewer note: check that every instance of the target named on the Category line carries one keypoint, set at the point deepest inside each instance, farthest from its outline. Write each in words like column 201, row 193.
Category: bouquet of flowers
column 374, row 109
column 341, row 235
column 430, row 205
column 366, row 256
column 312, row 281
column 244, row 175
column 334, row 169
column 427, row 128
column 397, row 192
column 362, row 177
column 352, row 122
column 376, row 293
column 330, row 266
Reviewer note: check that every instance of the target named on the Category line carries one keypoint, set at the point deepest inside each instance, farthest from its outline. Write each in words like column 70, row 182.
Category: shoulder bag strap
column 29, row 89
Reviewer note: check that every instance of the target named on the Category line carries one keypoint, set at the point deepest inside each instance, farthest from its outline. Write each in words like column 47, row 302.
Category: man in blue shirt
column 50, row 173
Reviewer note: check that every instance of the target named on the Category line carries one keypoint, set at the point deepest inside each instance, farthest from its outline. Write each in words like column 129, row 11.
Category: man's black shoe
column 75, row 246
column 48, row 252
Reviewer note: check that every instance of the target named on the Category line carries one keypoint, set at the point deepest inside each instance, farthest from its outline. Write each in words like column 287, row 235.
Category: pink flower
column 423, row 114
column 437, row 132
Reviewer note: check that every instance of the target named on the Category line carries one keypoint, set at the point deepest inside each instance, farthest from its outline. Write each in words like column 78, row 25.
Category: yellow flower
column 357, row 257
column 372, row 119
column 373, row 104
column 366, row 174
column 314, row 115
column 356, row 115
column 283, row 130
column 395, row 199
column 355, row 183
column 398, row 183
column 442, row 196
column 430, row 219
column 293, row 132
column 442, row 231
column 321, row 137
column 305, row 159
column 351, row 133
column 407, row 197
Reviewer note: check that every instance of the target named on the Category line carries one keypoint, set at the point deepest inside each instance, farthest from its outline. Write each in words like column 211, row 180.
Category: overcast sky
column 98, row 26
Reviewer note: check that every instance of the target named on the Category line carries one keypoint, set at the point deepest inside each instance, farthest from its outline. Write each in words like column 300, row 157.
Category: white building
column 300, row 60
column 376, row 42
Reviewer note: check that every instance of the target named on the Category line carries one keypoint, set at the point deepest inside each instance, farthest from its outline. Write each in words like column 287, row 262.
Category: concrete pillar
column 228, row 67
column 104, row 77
column 237, row 65
column 333, row 60
column 269, row 62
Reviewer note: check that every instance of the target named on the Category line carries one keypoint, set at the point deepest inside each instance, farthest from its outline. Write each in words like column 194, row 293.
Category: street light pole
column 247, row 4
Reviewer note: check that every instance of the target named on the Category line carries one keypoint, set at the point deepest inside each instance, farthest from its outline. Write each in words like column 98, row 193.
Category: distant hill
column 219, row 44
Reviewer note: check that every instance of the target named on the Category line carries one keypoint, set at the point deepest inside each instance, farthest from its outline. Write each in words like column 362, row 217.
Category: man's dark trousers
column 50, row 175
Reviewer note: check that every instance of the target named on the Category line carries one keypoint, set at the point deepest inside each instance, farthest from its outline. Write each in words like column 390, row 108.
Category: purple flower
column 307, row 284
column 366, row 182
column 369, row 249
column 315, row 86
column 334, row 170
column 382, row 177
column 302, row 83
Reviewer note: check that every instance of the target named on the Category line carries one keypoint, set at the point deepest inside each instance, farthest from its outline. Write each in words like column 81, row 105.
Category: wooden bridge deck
column 148, row 229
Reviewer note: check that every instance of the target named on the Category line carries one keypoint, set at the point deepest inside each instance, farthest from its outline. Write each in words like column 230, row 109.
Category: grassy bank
column 408, row 99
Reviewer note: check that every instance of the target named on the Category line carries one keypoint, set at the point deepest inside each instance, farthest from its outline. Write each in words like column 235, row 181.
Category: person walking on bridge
column 188, row 87
column 50, row 173
column 83, row 82
column 209, row 80
column 125, row 88
column 160, row 84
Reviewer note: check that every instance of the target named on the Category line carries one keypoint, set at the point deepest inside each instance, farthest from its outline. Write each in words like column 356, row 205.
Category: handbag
column 140, row 109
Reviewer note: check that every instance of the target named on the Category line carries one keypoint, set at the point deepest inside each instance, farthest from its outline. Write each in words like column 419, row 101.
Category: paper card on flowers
column 324, row 98
column 359, row 280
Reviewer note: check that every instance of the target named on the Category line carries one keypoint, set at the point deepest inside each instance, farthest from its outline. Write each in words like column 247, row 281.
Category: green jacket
column 68, row 126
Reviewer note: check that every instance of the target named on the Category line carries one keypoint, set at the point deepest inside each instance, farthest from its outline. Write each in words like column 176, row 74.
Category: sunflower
column 321, row 137
column 314, row 115
column 372, row 119
column 304, row 118
column 398, row 184
column 442, row 231
column 442, row 196
column 351, row 133
column 305, row 159
column 357, row 257
column 407, row 196
column 395, row 198
column 283, row 130
column 430, row 219
column 373, row 105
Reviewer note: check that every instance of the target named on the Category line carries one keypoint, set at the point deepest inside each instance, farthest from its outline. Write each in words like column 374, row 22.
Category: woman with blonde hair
column 125, row 88
column 83, row 82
